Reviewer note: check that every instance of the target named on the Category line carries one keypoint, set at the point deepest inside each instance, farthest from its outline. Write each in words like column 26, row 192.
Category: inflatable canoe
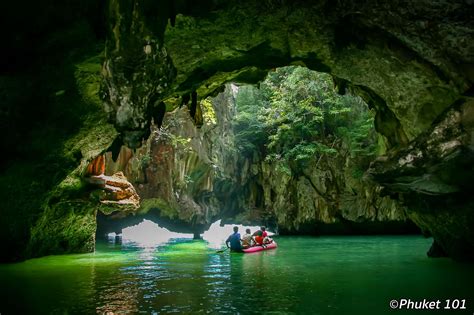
column 255, row 249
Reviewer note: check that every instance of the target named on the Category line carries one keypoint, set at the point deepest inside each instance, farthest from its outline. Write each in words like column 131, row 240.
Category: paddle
column 222, row 250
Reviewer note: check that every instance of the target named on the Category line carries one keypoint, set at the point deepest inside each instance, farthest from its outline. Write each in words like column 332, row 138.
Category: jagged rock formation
column 190, row 177
column 376, row 47
column 96, row 167
column 326, row 199
column 433, row 176
column 118, row 193
column 180, row 171
column 137, row 67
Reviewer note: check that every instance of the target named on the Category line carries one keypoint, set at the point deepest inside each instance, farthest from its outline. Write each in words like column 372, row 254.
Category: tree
column 296, row 116
column 248, row 130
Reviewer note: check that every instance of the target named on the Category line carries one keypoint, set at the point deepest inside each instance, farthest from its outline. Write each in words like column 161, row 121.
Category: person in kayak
column 247, row 240
column 266, row 239
column 258, row 238
column 234, row 240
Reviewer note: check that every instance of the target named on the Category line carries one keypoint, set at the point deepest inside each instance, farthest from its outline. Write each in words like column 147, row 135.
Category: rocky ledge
column 433, row 175
column 119, row 194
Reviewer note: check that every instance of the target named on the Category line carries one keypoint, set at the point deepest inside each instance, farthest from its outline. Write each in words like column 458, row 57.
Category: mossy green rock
column 67, row 222
column 413, row 77
column 433, row 175
column 379, row 48
column 45, row 205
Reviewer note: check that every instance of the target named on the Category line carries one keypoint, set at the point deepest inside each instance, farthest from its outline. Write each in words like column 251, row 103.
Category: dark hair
column 236, row 228
column 247, row 231
column 262, row 228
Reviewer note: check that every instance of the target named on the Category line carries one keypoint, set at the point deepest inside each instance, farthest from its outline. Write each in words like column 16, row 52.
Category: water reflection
column 118, row 287
column 143, row 279
column 304, row 275
column 163, row 279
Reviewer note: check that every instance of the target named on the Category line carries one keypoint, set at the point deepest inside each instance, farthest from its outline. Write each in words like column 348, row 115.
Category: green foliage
column 249, row 130
column 296, row 116
column 188, row 179
column 144, row 160
column 175, row 140
column 357, row 173
column 359, row 132
column 208, row 112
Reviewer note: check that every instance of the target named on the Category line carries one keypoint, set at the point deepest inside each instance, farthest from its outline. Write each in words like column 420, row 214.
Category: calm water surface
column 327, row 275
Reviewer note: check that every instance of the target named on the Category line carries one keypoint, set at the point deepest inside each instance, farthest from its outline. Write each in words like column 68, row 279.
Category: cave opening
column 290, row 153
column 150, row 234
column 145, row 234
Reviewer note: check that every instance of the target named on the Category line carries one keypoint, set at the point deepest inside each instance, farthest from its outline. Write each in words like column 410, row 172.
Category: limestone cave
column 344, row 125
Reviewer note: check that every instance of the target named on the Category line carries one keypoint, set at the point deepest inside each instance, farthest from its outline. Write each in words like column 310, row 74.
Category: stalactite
column 115, row 148
column 192, row 109
column 97, row 166
column 158, row 113
column 185, row 100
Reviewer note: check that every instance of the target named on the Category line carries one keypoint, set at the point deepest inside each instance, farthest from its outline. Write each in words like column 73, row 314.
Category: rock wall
column 137, row 67
column 57, row 214
column 180, row 171
column 433, row 176
column 377, row 47
column 326, row 199
column 411, row 61
column 396, row 53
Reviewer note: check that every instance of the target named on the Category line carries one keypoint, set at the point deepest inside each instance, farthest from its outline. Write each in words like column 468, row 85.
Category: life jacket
column 259, row 240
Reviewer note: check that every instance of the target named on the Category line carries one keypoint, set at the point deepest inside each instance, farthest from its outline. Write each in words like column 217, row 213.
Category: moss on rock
column 166, row 210
column 45, row 204
column 67, row 222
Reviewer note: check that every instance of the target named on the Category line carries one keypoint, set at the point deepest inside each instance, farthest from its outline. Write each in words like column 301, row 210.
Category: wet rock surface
column 433, row 174
column 118, row 192
column 137, row 68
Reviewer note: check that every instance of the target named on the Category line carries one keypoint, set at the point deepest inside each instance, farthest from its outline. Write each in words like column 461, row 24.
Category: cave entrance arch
column 409, row 79
column 107, row 224
column 189, row 168
column 201, row 49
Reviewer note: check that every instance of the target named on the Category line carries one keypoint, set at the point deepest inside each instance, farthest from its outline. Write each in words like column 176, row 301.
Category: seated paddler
column 234, row 241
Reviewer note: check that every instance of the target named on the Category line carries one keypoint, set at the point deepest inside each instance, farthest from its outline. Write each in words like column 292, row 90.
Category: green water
column 327, row 275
